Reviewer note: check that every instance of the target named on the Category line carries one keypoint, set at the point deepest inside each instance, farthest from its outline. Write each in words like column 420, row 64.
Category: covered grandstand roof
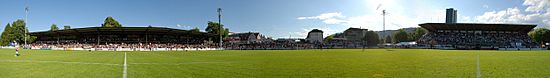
column 109, row 30
column 478, row 26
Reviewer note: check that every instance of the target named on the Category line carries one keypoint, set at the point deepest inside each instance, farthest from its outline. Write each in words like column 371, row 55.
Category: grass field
column 276, row 63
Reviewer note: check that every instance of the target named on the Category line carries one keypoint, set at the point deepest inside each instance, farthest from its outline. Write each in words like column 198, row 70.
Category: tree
column 31, row 39
column 54, row 27
column 19, row 31
column 110, row 22
column 196, row 29
column 540, row 35
column 15, row 32
column 226, row 33
column 388, row 39
column 6, row 36
column 400, row 36
column 66, row 27
column 329, row 38
column 214, row 28
column 417, row 34
column 372, row 38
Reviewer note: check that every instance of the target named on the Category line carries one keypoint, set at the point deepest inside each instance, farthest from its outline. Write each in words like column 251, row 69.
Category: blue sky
column 274, row 18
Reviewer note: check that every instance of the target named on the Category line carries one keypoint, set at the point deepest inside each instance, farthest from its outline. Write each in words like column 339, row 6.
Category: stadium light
column 384, row 13
column 26, row 22
column 384, row 24
column 221, row 27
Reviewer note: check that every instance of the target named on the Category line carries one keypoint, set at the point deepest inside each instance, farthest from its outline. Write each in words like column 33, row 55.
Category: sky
column 273, row 18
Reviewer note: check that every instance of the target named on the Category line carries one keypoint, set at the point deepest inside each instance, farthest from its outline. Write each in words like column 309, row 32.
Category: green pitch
column 276, row 63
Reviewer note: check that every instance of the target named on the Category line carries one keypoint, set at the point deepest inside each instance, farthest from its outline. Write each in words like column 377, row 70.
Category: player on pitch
column 16, row 48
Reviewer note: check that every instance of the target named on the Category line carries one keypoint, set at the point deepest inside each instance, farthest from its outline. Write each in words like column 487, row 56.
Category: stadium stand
column 122, row 38
column 477, row 36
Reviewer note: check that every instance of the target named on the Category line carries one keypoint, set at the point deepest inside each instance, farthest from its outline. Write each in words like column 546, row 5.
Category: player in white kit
column 16, row 48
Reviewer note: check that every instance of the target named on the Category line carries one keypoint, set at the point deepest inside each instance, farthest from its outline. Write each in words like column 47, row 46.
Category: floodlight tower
column 384, row 24
column 221, row 27
column 384, row 13
column 26, row 22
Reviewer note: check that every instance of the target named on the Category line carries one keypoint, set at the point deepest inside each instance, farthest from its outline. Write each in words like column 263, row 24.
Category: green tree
column 54, row 27
column 388, row 39
column 19, row 31
column 110, row 22
column 372, row 38
column 400, row 36
column 329, row 38
column 196, row 29
column 540, row 35
column 6, row 36
column 226, row 33
column 66, row 27
column 214, row 28
column 31, row 39
column 417, row 34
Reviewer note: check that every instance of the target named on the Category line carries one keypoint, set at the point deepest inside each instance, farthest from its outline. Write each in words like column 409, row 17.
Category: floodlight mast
column 220, row 26
column 384, row 24
column 26, row 22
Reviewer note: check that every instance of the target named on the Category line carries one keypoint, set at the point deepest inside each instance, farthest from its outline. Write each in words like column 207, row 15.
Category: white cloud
column 546, row 22
column 328, row 18
column 374, row 21
column 399, row 16
column 537, row 12
column 303, row 34
column 333, row 21
column 466, row 19
column 537, row 5
column 324, row 16
column 335, row 18
column 510, row 15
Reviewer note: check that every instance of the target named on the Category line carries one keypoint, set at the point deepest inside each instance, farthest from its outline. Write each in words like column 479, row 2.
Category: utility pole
column 221, row 27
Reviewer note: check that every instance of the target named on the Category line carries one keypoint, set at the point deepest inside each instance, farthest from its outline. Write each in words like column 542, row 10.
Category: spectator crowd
column 502, row 40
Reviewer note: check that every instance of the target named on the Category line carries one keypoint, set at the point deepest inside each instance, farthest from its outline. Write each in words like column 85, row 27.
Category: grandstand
column 477, row 36
column 129, row 38
column 121, row 35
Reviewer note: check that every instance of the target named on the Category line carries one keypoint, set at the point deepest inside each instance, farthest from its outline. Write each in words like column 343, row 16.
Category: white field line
column 125, row 69
column 478, row 68
column 38, row 61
